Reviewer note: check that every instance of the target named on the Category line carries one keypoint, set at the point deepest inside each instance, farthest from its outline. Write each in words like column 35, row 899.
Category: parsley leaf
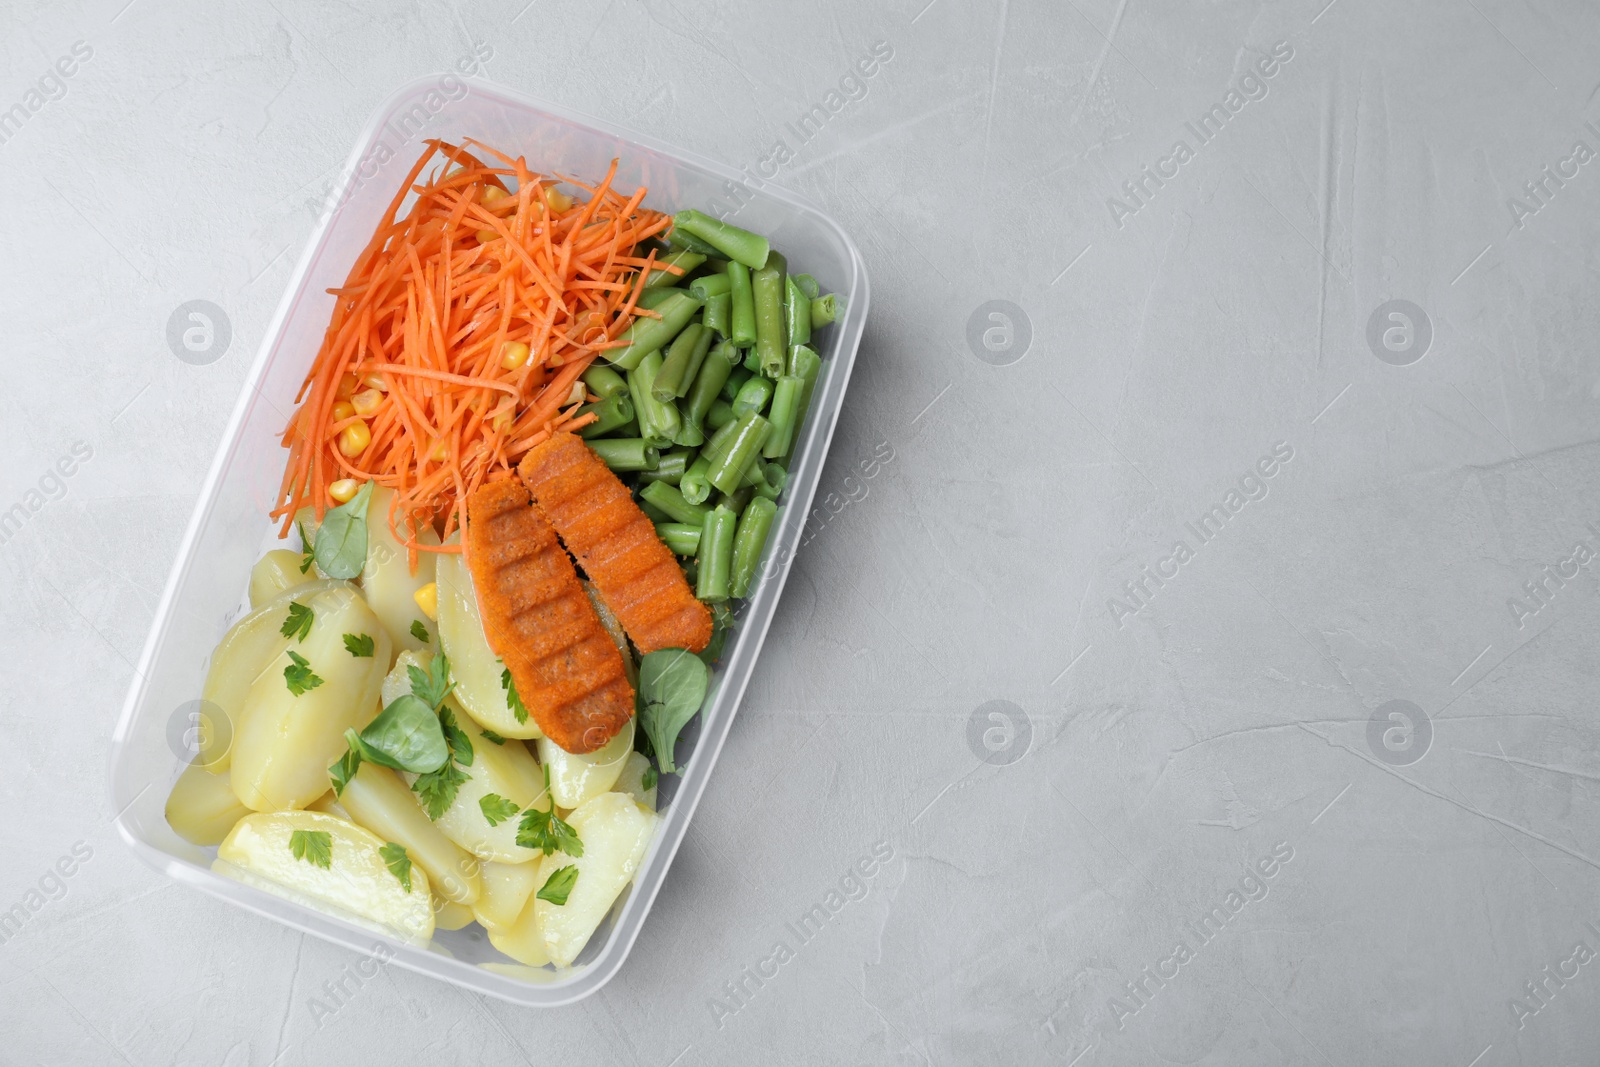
column 305, row 546
column 460, row 744
column 419, row 631
column 513, row 701
column 360, row 646
column 345, row 769
column 490, row 735
column 647, row 781
column 559, row 885
column 399, row 864
column 437, row 789
column 299, row 676
column 545, row 831
column 313, row 846
column 298, row 624
column 496, row 808
column 434, row 684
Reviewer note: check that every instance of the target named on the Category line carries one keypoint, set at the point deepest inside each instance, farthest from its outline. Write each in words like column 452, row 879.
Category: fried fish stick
column 616, row 544
column 539, row 620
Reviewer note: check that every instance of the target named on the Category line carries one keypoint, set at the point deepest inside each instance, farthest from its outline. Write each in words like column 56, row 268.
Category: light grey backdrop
column 1425, row 534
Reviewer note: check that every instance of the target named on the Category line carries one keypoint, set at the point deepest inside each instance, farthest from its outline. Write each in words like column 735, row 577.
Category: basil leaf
column 672, row 686
column 407, row 736
column 341, row 542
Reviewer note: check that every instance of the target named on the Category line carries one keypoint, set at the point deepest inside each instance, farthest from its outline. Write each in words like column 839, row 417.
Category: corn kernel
column 366, row 402
column 491, row 193
column 503, row 422
column 354, row 439
column 347, row 386
column 486, row 235
column 427, row 599
column 557, row 201
column 441, row 451
column 375, row 381
column 343, row 409
column 576, row 394
column 344, row 490
column 513, row 354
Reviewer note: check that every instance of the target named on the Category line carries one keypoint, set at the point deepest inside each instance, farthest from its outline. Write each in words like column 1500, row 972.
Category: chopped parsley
column 360, row 646
column 298, row 624
column 299, row 675
column 313, row 846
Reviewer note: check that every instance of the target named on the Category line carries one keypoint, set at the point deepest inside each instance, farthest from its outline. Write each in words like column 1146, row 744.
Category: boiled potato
column 506, row 889
column 202, row 807
column 448, row 915
column 388, row 580
column 328, row 803
column 631, row 780
column 356, row 881
column 277, row 572
column 284, row 743
column 473, row 664
column 522, row 939
column 616, row 833
column 377, row 799
column 574, row 778
column 397, row 683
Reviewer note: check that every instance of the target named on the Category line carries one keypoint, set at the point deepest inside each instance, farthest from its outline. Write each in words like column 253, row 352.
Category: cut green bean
column 736, row 500
column 749, row 541
column 767, row 286
column 669, row 468
column 626, row 454
column 748, row 248
column 693, row 485
column 683, row 239
column 737, row 376
column 684, row 260
column 796, row 313
column 715, row 555
column 752, row 360
column 808, row 285
column 683, row 539
column 678, row 368
column 720, row 416
column 783, row 413
column 707, row 387
column 727, row 465
column 743, row 313
column 719, row 313
column 670, row 500
column 653, row 513
column 604, row 382
column 658, row 422
column 752, row 396
column 690, row 434
column 614, row 412
column 652, row 299
column 824, row 309
column 645, row 336
column 806, row 365
column 709, row 285
column 773, row 479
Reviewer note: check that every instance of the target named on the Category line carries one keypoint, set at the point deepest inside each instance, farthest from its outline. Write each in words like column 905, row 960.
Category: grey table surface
column 1140, row 803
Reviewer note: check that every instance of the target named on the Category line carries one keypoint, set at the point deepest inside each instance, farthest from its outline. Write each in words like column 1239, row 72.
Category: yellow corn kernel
column 503, row 422
column 513, row 354
column 343, row 409
column 557, row 201
column 366, row 402
column 427, row 599
column 347, row 386
column 485, row 236
column 491, row 193
column 354, row 439
column 576, row 394
column 375, row 381
column 344, row 489
column 441, row 451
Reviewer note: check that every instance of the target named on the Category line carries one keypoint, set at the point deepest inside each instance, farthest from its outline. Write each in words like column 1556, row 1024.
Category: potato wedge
column 473, row 664
column 522, row 939
column 284, row 742
column 616, row 833
column 277, row 572
column 202, row 807
column 380, row 801
column 448, row 915
column 506, row 889
column 631, row 780
column 387, row 579
column 575, row 779
column 356, row 883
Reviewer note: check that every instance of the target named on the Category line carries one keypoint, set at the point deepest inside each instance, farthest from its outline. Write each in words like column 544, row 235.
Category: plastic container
column 229, row 528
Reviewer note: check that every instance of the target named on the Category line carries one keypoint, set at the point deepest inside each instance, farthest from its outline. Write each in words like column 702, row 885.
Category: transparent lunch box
column 229, row 529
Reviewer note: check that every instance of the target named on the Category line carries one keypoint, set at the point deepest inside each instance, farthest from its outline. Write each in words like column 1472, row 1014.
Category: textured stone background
column 1041, row 858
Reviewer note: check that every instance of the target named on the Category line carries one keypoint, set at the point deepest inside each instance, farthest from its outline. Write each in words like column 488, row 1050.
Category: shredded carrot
column 428, row 311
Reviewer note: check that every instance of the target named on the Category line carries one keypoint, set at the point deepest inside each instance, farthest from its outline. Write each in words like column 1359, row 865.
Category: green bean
column 785, row 408
column 752, row 396
column 727, row 466
column 645, row 336
column 748, row 248
column 737, row 376
column 707, row 387
column 720, row 415
column 685, row 260
column 658, row 422
column 690, row 434
column 686, row 240
column 767, row 286
column 614, row 413
column 627, row 429
column 748, row 543
column 682, row 538
column 808, row 285
column 806, row 365
column 736, row 500
column 743, row 313
column 752, row 360
column 824, row 309
column 713, row 265
column 626, row 454
column 773, row 479
column 604, row 382
column 668, row 498
column 653, row 513
column 670, row 468
column 715, row 555
column 796, row 313
column 652, row 299
column 693, row 484
column 709, row 285
column 719, row 313
column 678, row 369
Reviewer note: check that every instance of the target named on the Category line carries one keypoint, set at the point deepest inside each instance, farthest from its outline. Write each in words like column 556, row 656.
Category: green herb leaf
column 313, row 846
column 434, row 684
column 559, row 885
column 490, row 735
column 398, row 862
column 437, row 789
column 305, row 546
column 647, row 780
column 407, row 736
column 419, row 631
column 545, row 831
column 298, row 675
column 349, row 763
column 360, row 646
column 341, row 543
column 298, row 624
column 513, row 701
column 672, row 686
column 496, row 808
column 460, row 744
